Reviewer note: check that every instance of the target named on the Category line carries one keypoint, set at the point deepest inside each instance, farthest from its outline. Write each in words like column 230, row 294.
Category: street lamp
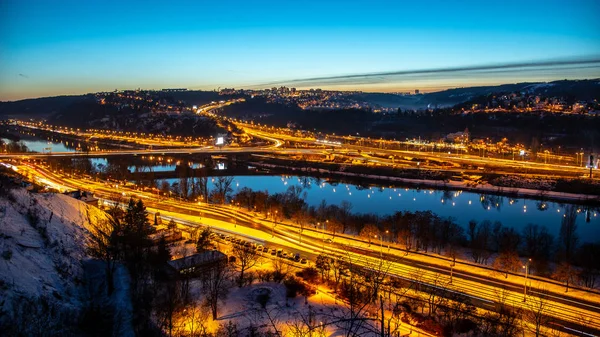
column 526, row 266
column 380, row 246
column 387, row 232
column 452, row 268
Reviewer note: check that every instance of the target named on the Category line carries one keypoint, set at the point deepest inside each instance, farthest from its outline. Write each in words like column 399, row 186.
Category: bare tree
column 280, row 269
column 168, row 302
column 535, row 312
column 104, row 245
column 301, row 218
column 436, row 294
column 323, row 264
column 193, row 318
column 480, row 236
column 369, row 232
column 260, row 307
column 507, row 261
column 334, row 227
column 457, row 310
column 359, row 292
column 215, row 285
column 306, row 324
column 566, row 273
column 503, row 321
column 222, row 189
column 339, row 266
column 568, row 233
column 245, row 258
column 345, row 209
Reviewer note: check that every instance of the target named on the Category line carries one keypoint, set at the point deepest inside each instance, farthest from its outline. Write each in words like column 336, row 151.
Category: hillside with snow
column 43, row 244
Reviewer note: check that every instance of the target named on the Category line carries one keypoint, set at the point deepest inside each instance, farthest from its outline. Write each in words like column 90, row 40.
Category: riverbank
column 470, row 186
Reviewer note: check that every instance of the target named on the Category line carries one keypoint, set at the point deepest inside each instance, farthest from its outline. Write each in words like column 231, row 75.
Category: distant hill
column 39, row 107
column 46, row 106
column 198, row 97
column 577, row 89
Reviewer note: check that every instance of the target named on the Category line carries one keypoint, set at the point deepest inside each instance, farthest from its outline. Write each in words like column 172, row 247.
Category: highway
column 277, row 138
column 566, row 310
column 459, row 159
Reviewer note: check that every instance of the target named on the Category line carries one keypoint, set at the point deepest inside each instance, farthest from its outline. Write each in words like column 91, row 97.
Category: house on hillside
column 87, row 197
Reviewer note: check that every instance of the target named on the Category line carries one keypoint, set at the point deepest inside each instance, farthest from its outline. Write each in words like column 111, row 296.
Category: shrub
column 309, row 274
column 294, row 286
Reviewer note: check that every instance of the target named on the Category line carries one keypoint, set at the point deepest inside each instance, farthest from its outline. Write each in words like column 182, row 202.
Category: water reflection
column 463, row 206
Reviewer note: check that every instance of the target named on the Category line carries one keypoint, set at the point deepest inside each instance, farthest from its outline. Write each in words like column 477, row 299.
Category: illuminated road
column 277, row 138
column 460, row 159
column 567, row 310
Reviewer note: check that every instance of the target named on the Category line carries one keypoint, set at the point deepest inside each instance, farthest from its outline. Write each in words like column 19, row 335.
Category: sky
column 63, row 47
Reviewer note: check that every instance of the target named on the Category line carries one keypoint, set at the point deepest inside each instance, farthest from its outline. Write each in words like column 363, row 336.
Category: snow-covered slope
column 43, row 239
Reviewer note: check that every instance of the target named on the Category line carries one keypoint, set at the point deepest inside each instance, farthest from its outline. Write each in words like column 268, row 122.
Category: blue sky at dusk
column 72, row 47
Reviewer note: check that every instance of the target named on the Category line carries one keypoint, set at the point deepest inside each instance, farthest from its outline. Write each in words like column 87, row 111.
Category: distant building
column 458, row 137
column 84, row 196
column 175, row 90
column 417, row 91
column 197, row 263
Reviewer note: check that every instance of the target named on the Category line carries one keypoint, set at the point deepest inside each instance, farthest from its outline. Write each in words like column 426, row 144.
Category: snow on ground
column 44, row 257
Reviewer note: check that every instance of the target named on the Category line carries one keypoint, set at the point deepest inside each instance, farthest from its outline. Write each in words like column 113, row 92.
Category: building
column 168, row 235
column 175, row 90
column 417, row 91
column 84, row 196
column 195, row 264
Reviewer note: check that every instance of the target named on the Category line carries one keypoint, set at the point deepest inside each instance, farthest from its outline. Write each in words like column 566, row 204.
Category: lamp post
column 326, row 221
column 452, row 268
column 380, row 246
column 387, row 232
column 526, row 266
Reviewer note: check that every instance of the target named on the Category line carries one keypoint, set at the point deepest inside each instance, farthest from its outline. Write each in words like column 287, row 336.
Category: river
column 381, row 200
column 462, row 206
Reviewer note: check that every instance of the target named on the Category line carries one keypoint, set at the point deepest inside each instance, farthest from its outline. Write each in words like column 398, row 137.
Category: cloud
column 519, row 69
column 23, row 75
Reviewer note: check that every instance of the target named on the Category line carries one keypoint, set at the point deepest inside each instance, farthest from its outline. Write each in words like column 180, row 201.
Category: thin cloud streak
column 558, row 66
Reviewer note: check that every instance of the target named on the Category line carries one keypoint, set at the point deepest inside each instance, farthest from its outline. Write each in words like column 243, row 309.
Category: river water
column 462, row 206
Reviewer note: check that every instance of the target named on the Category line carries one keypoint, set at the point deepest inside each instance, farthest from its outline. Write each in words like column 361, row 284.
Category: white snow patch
column 44, row 259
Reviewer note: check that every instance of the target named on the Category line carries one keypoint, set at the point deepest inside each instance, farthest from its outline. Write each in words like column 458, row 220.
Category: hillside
column 577, row 89
column 91, row 114
column 44, row 239
column 38, row 107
